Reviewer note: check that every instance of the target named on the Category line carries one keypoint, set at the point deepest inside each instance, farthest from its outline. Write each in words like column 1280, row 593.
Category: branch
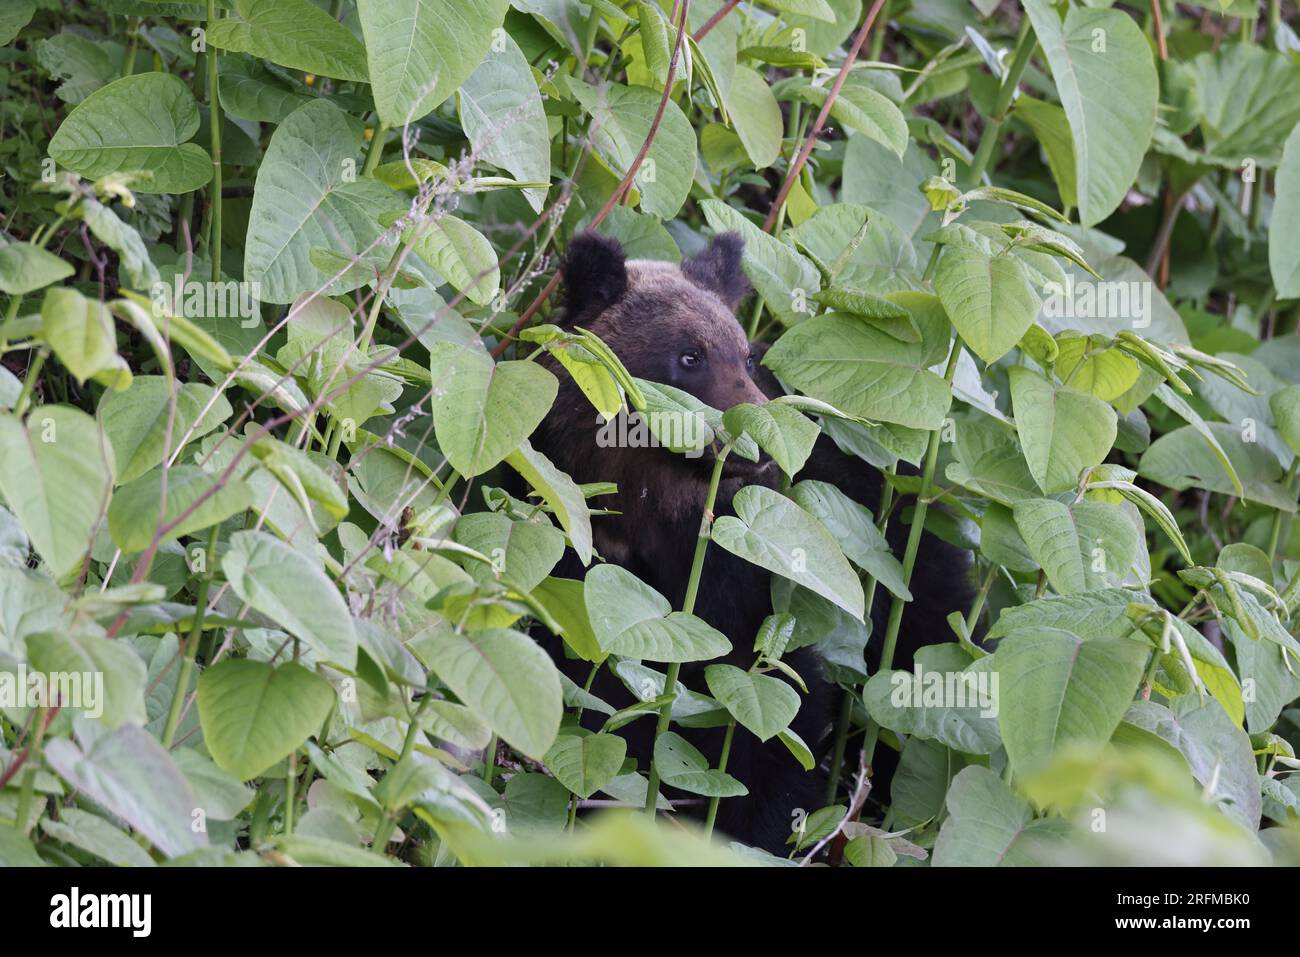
column 797, row 167
column 624, row 185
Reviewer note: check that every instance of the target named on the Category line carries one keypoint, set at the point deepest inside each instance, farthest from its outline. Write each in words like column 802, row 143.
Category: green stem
column 389, row 820
column 909, row 555
column 1025, row 44
column 980, row 598
column 214, row 120
column 376, row 149
column 1282, row 519
column 490, row 761
column 25, row 796
column 878, row 38
column 845, row 718
column 722, row 766
column 688, row 607
column 192, row 644
column 290, row 798
column 29, row 380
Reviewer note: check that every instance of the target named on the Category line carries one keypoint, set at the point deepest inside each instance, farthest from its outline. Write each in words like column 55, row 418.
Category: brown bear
column 676, row 325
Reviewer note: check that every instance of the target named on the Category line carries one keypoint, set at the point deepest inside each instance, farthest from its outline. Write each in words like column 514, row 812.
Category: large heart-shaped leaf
column 136, row 420
column 292, row 33
column 130, row 774
column 631, row 619
column 586, row 763
column 1106, row 78
column 483, row 410
column 774, row 533
column 140, row 123
column 990, row 299
column 56, row 474
column 308, row 195
column 764, row 705
column 255, row 714
column 293, row 591
column 506, row 678
column 989, row 825
column 863, row 370
column 1058, row 688
column 502, row 115
column 621, row 120
column 420, row 52
column 1063, row 431
column 136, row 511
column 120, row 697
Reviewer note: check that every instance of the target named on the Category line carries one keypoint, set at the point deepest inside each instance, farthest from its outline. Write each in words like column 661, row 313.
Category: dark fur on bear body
column 676, row 325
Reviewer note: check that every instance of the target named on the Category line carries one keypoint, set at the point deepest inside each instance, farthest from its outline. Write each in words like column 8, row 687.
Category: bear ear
column 595, row 272
column 717, row 269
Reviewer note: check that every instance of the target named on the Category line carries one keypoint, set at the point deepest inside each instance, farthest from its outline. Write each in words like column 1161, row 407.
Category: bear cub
column 676, row 325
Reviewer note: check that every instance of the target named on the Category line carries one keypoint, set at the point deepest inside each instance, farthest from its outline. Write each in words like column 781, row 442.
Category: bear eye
column 749, row 361
column 691, row 358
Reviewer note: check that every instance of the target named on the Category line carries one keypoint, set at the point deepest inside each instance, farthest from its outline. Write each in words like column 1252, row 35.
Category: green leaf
column 135, row 511
column 854, row 528
column 140, row 123
column 506, row 679
column 96, row 836
column 524, row 552
column 25, row 268
column 419, row 53
column 906, row 701
column 764, row 705
column 1283, row 252
column 56, row 475
column 990, row 299
column 621, row 119
column 990, row 826
column 1106, row 78
column 251, row 92
column 120, row 697
column 780, row 275
column 1082, row 547
column 254, row 715
column 484, row 410
column 560, row 492
column 586, row 763
column 80, row 331
column 461, row 255
column 1052, row 130
column 293, row 33
column 502, row 115
column 292, row 591
column 1250, row 102
column 756, row 116
column 863, row 370
column 682, row 766
column 1057, row 688
column 784, row 433
column 630, row 618
column 308, row 195
column 774, row 533
column 136, row 421
column 1063, row 431
column 128, row 773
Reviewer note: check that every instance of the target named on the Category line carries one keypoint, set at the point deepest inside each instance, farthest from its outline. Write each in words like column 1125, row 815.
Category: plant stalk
column 688, row 607
column 1025, row 44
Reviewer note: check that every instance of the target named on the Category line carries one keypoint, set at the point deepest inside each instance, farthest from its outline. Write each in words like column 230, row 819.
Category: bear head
column 668, row 323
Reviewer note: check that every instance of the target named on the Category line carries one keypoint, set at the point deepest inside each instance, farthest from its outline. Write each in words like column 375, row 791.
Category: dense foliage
column 276, row 275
